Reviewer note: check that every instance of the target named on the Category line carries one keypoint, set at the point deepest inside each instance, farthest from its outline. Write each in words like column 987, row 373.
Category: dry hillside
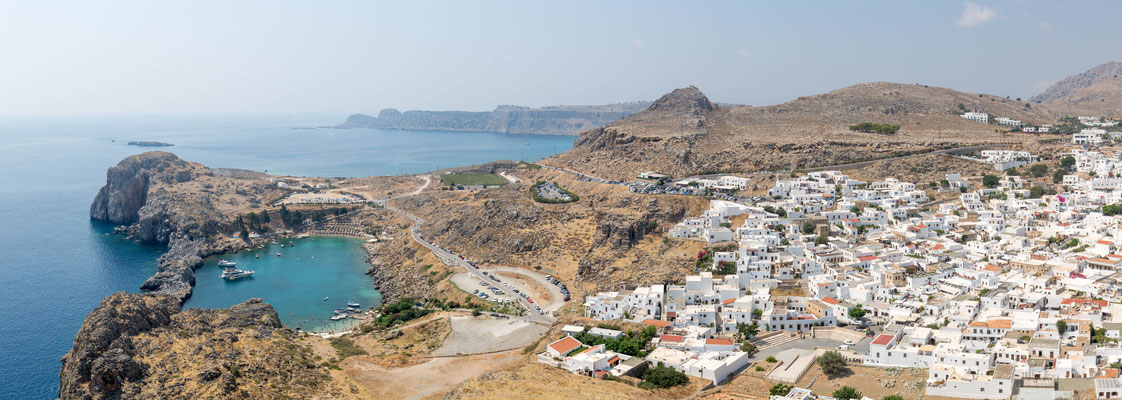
column 683, row 133
column 1096, row 92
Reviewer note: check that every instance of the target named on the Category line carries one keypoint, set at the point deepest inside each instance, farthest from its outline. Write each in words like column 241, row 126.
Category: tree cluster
column 870, row 127
column 631, row 343
column 661, row 377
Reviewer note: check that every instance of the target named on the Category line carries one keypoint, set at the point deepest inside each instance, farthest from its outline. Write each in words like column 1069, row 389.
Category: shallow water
column 296, row 282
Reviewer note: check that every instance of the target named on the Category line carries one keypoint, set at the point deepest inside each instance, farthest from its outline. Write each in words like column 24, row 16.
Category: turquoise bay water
column 56, row 264
column 296, row 282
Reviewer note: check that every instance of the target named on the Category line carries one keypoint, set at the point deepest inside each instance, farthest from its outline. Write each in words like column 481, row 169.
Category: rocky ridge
column 1095, row 92
column 684, row 134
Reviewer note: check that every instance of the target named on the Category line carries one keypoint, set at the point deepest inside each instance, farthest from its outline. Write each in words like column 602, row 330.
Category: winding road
column 454, row 259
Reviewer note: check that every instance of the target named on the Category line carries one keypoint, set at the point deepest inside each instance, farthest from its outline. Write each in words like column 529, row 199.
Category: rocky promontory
column 158, row 198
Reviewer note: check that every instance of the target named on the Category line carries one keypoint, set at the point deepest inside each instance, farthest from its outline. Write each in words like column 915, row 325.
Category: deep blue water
column 56, row 264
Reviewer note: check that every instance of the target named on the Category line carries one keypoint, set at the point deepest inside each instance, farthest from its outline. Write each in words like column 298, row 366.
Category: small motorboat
column 227, row 264
column 337, row 317
column 325, row 299
column 278, row 254
column 257, row 256
column 352, row 304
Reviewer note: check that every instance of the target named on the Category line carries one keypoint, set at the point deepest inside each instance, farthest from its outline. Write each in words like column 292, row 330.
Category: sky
column 143, row 57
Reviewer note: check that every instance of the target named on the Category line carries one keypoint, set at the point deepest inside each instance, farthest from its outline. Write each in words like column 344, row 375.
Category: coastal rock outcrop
column 126, row 186
column 161, row 199
column 101, row 359
column 136, row 345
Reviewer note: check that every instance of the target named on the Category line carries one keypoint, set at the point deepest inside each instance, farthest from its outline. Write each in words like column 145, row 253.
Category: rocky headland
column 157, row 198
column 553, row 120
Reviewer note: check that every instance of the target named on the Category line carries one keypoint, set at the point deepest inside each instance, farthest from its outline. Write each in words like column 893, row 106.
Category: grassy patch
column 346, row 347
column 472, row 179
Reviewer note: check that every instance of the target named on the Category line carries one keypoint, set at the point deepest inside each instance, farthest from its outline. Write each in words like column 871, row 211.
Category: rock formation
column 126, row 348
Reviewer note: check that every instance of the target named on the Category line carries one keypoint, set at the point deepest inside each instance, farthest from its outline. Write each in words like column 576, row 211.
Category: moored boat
column 232, row 273
column 227, row 264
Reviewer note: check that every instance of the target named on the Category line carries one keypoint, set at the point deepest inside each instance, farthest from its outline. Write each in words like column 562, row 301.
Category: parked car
column 849, row 343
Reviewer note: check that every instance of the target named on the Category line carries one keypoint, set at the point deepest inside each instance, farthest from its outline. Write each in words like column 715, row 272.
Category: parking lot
column 490, row 291
column 550, row 303
column 550, row 191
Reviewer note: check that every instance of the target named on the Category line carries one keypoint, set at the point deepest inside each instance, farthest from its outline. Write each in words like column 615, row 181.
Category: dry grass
column 538, row 381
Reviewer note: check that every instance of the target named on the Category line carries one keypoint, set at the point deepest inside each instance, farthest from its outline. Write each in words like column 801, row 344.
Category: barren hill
column 1097, row 91
column 684, row 133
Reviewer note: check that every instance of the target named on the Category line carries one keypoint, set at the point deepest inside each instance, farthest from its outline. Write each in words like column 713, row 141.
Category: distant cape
column 551, row 120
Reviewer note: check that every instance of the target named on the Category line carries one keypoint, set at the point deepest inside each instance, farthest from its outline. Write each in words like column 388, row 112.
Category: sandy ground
column 907, row 382
column 429, row 380
column 483, row 334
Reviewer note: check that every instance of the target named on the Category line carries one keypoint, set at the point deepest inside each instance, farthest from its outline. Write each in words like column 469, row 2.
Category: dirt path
column 429, row 380
column 428, row 180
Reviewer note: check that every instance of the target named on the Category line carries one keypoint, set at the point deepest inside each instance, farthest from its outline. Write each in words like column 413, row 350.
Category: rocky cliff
column 144, row 346
column 555, row 120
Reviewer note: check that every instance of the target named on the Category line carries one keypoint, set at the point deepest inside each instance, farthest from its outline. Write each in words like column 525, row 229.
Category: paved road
column 454, row 259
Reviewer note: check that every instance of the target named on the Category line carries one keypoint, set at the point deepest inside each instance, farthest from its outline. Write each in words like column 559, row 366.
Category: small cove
column 296, row 282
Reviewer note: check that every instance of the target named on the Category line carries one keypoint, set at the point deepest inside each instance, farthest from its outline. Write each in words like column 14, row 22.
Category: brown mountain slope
column 683, row 133
column 1096, row 92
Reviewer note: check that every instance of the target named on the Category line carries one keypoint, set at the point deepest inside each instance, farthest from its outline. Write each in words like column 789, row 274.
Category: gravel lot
column 471, row 335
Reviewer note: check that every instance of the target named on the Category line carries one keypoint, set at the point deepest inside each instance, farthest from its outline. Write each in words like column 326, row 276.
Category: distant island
column 149, row 143
column 550, row 120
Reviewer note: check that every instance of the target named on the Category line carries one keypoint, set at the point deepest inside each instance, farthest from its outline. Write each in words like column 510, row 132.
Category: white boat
column 352, row 304
column 234, row 274
column 337, row 317
column 227, row 264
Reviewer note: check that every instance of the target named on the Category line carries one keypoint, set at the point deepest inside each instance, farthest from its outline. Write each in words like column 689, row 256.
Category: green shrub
column 661, row 377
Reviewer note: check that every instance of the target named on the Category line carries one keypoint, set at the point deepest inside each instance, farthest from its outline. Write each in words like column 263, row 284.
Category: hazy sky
column 93, row 57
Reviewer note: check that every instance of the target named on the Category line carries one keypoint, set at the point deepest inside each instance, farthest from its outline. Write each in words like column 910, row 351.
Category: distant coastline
column 552, row 120
column 149, row 143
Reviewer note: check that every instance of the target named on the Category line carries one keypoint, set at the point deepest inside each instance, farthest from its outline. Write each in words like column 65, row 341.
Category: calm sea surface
column 56, row 264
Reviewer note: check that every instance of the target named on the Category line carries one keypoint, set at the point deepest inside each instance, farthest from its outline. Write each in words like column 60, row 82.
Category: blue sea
column 56, row 264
